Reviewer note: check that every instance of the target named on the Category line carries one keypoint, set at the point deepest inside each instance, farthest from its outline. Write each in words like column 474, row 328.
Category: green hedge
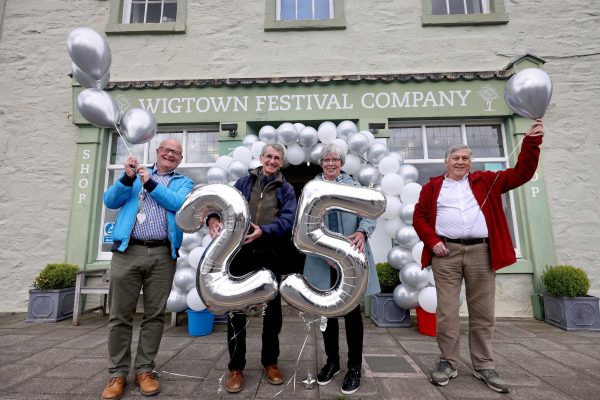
column 56, row 276
column 565, row 281
column 389, row 277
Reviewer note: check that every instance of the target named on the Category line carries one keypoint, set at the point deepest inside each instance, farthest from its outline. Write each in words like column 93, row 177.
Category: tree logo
column 488, row 93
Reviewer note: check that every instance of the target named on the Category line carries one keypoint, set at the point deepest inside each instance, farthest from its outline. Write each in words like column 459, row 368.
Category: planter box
column 385, row 313
column 572, row 313
column 50, row 305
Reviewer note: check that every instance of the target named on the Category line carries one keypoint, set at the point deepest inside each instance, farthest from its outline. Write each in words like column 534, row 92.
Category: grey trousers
column 471, row 263
column 139, row 266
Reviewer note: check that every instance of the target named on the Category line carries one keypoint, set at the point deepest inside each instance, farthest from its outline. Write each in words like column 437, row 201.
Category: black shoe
column 351, row 381
column 327, row 373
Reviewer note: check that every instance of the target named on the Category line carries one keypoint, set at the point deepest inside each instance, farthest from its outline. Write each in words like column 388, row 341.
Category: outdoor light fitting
column 374, row 127
column 231, row 128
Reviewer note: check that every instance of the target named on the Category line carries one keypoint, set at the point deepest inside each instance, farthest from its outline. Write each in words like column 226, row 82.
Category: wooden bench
column 99, row 286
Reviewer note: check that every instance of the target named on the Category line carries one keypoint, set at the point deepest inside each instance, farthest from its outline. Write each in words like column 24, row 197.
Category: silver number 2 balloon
column 220, row 291
column 312, row 237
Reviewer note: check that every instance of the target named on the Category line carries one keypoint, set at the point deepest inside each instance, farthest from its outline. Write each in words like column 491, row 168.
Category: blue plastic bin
column 200, row 323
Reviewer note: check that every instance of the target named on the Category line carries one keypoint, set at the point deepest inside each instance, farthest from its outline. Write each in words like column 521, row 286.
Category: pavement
column 61, row 361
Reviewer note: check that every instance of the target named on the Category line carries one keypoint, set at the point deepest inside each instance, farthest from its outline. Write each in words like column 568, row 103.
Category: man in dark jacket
column 272, row 204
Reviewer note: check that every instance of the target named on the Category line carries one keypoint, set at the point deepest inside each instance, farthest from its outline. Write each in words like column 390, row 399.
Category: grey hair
column 275, row 146
column 333, row 148
column 456, row 148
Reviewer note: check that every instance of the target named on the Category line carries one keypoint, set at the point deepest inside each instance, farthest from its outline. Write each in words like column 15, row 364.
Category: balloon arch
column 368, row 160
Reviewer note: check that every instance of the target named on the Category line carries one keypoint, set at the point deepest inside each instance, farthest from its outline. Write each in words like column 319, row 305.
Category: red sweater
column 502, row 251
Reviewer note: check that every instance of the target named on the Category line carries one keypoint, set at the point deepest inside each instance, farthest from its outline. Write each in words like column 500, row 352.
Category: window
column 147, row 16
column 289, row 10
column 149, row 11
column 200, row 151
column 424, row 145
column 463, row 12
column 281, row 15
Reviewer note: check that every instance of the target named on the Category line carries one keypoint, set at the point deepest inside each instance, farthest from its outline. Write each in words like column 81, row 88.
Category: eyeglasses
column 271, row 157
column 331, row 160
column 167, row 150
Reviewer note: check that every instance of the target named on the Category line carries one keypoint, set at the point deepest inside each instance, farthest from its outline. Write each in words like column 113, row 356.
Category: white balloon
column 388, row 165
column 358, row 143
column 299, row 126
column 216, row 175
column 315, row 153
column 254, row 164
column 397, row 156
column 249, row 140
column 417, row 251
column 342, row 144
column 376, row 152
column 327, row 132
column 267, row 134
column 243, row 154
column 392, row 207
column 308, row 136
column 352, row 164
column 287, row 134
column 431, row 277
column 236, row 170
column 224, row 161
column 369, row 136
column 428, row 299
column 185, row 279
column 257, row 148
column 177, row 301
column 195, row 256
column 391, row 226
column 409, row 173
column 194, row 301
column 206, row 241
column 295, row 154
column 182, row 261
column 191, row 240
column 406, row 213
column 345, row 129
column 410, row 192
column 391, row 184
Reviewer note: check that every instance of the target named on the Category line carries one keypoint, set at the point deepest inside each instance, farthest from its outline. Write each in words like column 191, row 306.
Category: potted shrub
column 566, row 303
column 53, row 293
column 384, row 310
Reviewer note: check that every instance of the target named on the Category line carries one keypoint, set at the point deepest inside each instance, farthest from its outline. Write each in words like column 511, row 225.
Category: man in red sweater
column 460, row 219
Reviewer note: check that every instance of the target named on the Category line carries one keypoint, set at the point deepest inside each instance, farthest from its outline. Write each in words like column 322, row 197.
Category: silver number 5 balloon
column 312, row 237
column 220, row 291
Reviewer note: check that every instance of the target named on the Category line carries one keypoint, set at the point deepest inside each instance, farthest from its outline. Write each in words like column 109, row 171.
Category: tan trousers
column 471, row 263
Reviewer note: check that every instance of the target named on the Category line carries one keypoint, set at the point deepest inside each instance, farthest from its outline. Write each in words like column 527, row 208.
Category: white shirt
column 458, row 214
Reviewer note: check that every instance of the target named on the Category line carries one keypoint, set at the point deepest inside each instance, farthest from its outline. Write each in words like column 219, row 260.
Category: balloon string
column 124, row 141
column 235, row 334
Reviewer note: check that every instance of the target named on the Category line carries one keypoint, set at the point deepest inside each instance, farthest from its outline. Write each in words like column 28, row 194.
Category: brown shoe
column 148, row 383
column 235, row 382
column 274, row 375
column 114, row 389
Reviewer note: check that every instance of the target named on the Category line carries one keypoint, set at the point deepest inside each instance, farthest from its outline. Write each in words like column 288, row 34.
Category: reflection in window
column 408, row 141
column 149, row 11
column 302, row 10
column 440, row 138
column 445, row 7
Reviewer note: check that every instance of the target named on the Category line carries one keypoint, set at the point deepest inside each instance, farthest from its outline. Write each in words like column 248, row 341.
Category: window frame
column 108, row 167
column 496, row 16
column 272, row 24
column 116, row 25
column 463, row 123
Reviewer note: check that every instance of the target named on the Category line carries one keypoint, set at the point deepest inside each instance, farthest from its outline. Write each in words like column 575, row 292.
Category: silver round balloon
column 217, row 175
column 528, row 93
column 312, row 237
column 409, row 173
column 358, row 143
column 406, row 213
column 412, row 275
column 267, row 134
column 287, row 134
column 368, row 175
column 397, row 156
column 89, row 51
column 99, row 108
column 191, row 240
column 406, row 297
column 315, row 153
column 138, row 126
column 185, row 279
column 398, row 257
column 177, row 300
column 236, row 170
column 406, row 236
column 87, row 81
column 249, row 140
column 345, row 129
column 308, row 137
column 376, row 152
column 220, row 291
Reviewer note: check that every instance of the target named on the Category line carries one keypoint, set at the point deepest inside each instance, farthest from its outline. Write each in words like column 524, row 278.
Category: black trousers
column 354, row 335
column 251, row 258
